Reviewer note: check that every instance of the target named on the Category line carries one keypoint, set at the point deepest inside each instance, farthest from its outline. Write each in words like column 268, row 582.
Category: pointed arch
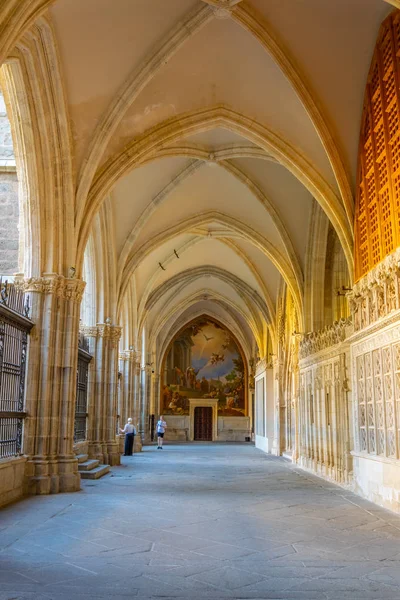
column 204, row 120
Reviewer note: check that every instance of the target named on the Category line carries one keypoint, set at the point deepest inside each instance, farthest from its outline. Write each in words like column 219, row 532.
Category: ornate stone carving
column 51, row 283
column 325, row 338
column 103, row 330
column 130, row 356
column 376, row 295
column 222, row 8
column 88, row 331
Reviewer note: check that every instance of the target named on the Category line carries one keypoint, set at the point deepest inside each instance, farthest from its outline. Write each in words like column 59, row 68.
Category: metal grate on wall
column 14, row 330
column 377, row 218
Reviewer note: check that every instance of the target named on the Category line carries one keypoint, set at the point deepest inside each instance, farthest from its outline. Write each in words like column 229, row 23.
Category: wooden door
column 203, row 423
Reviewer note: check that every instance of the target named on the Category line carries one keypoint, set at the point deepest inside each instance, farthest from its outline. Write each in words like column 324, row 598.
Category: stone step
column 95, row 473
column 82, row 458
column 88, row 465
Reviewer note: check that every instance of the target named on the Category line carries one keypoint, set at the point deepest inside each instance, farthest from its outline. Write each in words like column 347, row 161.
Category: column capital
column 130, row 356
column 52, row 283
column 103, row 330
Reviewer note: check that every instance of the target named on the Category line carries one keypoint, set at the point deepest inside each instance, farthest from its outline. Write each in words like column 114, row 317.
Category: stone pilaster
column 103, row 383
column 129, row 361
column 51, row 386
column 129, row 406
column 145, row 397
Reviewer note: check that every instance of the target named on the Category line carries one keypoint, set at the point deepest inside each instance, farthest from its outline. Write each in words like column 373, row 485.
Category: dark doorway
column 203, row 423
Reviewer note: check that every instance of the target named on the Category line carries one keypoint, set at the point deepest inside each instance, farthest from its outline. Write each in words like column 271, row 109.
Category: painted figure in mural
column 204, row 385
column 178, row 376
column 167, row 394
column 173, row 405
column 230, row 401
column 191, row 377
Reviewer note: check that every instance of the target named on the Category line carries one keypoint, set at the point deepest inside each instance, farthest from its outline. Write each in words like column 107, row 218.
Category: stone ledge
column 5, row 462
column 377, row 458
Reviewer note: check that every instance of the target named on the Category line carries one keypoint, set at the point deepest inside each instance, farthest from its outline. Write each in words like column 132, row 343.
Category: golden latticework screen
column 377, row 219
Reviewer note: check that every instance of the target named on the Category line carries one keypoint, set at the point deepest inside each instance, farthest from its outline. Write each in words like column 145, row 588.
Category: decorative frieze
column 325, row 338
column 261, row 366
column 51, row 283
column 376, row 295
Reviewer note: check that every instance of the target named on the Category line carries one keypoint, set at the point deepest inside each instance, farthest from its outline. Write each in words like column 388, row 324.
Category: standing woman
column 161, row 427
column 130, row 431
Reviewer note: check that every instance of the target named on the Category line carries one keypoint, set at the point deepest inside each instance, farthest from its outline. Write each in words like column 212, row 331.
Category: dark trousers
column 129, row 438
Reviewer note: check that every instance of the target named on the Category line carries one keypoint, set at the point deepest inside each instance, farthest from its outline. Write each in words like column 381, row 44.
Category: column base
column 69, row 477
column 96, row 451
column 51, row 476
column 113, row 454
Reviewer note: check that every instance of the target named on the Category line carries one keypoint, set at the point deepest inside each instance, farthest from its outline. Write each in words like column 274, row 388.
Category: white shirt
column 129, row 428
column 161, row 425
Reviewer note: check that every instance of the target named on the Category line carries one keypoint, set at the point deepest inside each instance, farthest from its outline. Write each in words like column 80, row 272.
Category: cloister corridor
column 200, row 521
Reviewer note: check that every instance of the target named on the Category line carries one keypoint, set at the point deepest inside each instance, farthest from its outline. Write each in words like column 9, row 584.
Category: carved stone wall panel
column 376, row 384
column 325, row 432
column 317, row 341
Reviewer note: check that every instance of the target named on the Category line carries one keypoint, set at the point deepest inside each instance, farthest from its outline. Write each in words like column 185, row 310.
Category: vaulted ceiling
column 213, row 126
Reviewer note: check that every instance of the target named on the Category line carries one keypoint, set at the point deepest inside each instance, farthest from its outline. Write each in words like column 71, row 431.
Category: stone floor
column 200, row 522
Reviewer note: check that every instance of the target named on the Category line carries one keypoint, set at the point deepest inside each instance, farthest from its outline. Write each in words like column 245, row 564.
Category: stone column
column 102, row 398
column 145, row 396
column 296, row 401
column 130, row 405
column 51, row 383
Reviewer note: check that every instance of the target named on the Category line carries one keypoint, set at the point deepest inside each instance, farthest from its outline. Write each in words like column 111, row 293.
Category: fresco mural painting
column 204, row 361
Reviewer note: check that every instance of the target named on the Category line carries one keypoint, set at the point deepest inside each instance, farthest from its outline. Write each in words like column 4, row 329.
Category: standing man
column 130, row 431
column 161, row 427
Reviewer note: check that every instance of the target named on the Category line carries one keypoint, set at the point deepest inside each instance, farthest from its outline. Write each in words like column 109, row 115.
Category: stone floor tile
column 224, row 551
column 227, row 522
column 258, row 543
column 228, row 578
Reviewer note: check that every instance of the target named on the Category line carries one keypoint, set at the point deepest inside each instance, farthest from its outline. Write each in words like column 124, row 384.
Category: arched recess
column 230, row 307
column 315, row 270
column 204, row 120
column 377, row 218
column 100, row 270
column 34, row 93
column 31, row 216
column 219, row 324
column 182, row 321
column 89, row 304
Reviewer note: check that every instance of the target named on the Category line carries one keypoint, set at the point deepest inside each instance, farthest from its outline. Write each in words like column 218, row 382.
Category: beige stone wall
column 12, row 479
column 9, row 218
column 9, row 203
